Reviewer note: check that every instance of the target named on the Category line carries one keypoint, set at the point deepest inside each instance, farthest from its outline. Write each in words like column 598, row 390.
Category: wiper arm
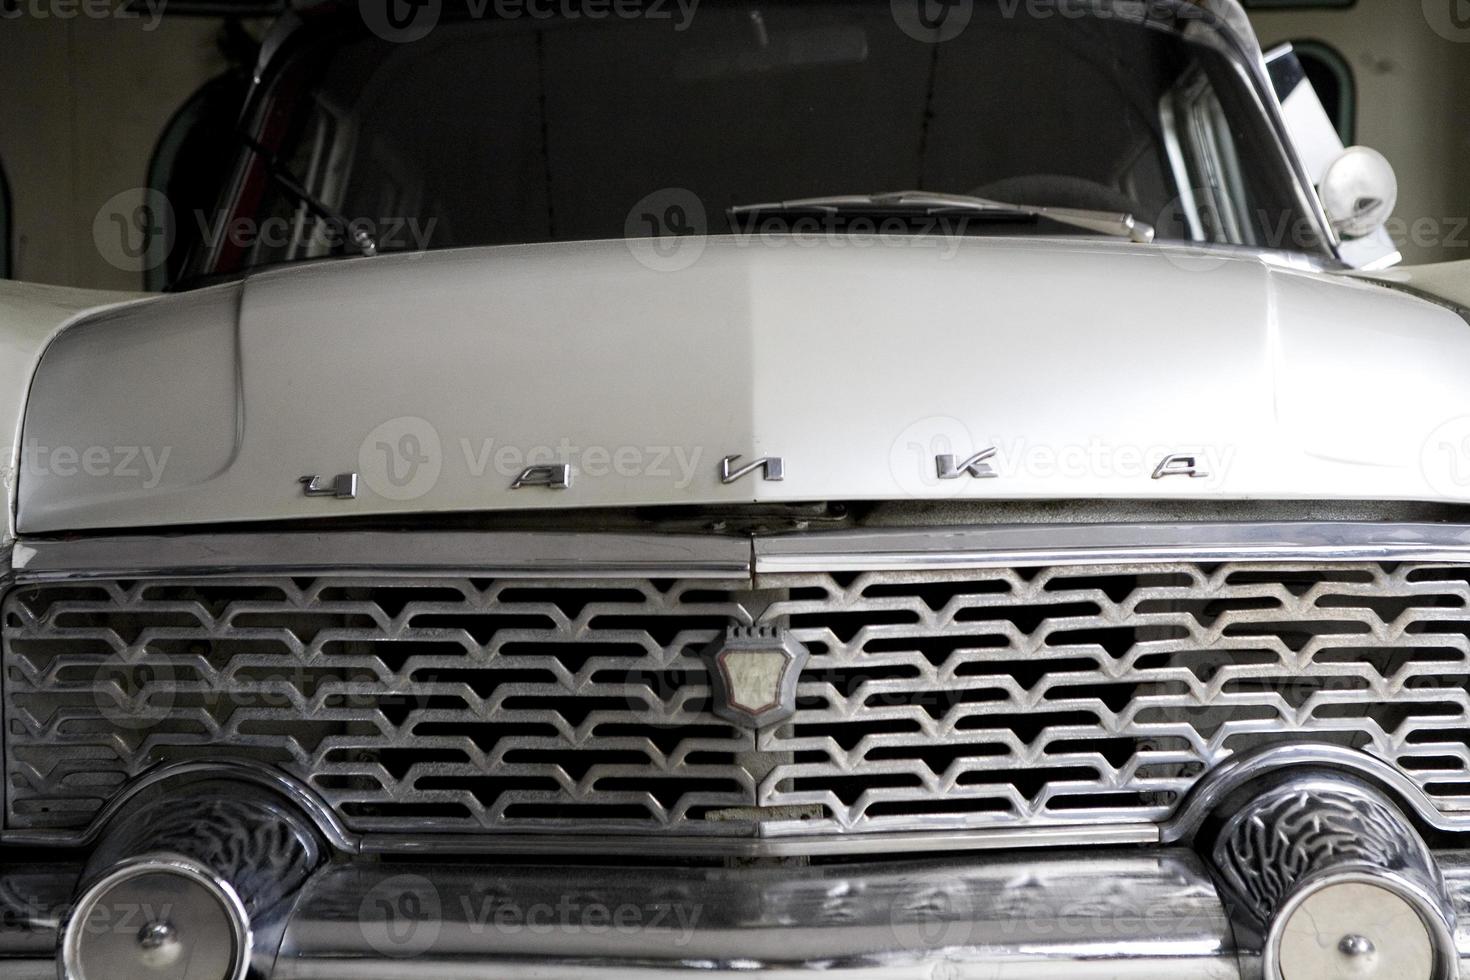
column 292, row 185
column 923, row 202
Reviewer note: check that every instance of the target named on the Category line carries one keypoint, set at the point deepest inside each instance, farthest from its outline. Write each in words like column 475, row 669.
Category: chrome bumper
column 1144, row 914
column 1289, row 875
column 1156, row 912
column 1130, row 914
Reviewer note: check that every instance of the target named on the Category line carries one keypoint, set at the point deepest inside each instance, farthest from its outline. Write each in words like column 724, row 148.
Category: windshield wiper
column 926, row 203
column 292, row 185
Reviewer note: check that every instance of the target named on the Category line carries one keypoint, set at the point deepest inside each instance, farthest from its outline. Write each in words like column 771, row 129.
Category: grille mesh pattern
column 993, row 698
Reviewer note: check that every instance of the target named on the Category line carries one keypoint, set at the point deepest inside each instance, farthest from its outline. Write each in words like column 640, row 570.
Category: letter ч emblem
column 772, row 467
column 976, row 466
column 342, row 487
column 753, row 673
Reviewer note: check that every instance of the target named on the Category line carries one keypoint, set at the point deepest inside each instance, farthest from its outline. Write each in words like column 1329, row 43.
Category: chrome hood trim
column 438, row 378
column 583, row 554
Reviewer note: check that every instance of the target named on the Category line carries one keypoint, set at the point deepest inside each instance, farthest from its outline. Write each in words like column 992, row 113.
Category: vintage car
column 872, row 490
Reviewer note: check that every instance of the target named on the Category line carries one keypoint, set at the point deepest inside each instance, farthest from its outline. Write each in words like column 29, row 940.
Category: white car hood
column 437, row 378
column 30, row 315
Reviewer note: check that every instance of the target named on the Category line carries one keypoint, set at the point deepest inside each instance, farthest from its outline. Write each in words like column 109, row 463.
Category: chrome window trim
column 1237, row 41
column 1174, row 149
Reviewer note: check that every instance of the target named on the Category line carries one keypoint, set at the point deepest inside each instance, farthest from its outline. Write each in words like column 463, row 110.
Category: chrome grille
column 995, row 698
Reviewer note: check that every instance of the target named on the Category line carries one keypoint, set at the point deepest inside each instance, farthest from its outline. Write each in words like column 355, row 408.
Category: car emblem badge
column 951, row 467
column 753, row 671
column 773, row 468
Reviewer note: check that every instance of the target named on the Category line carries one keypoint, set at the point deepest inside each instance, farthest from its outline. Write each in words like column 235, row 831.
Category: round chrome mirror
column 1359, row 192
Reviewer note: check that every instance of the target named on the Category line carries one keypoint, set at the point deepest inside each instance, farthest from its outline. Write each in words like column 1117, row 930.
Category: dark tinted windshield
column 495, row 130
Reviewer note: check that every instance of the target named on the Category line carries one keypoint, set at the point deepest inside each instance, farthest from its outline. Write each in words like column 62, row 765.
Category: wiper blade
column 923, row 202
column 292, row 185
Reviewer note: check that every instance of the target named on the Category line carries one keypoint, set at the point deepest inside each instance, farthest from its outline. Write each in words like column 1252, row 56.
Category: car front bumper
column 1141, row 913
column 1294, row 873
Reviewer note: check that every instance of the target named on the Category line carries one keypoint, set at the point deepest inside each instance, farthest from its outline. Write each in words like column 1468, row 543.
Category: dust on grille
column 996, row 698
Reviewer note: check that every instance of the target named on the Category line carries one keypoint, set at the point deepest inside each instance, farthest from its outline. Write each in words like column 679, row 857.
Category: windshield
column 498, row 129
